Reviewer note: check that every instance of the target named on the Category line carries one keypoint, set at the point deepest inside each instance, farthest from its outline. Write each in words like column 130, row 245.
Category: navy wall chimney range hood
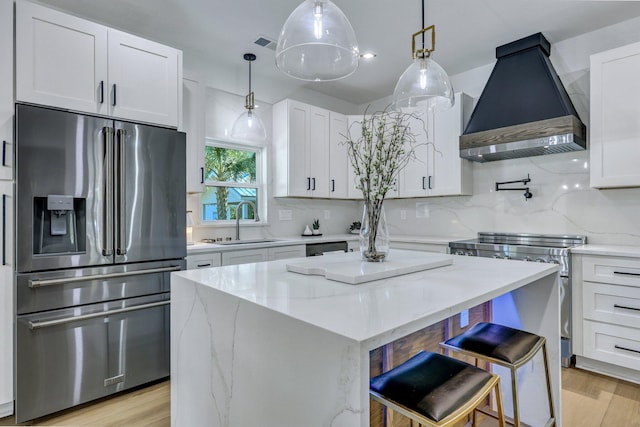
column 524, row 109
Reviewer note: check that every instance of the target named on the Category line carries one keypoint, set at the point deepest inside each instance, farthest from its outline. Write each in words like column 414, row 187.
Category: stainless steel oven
column 546, row 248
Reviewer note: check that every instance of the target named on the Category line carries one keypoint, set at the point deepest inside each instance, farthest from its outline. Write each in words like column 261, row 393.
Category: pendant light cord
column 423, row 27
column 250, row 72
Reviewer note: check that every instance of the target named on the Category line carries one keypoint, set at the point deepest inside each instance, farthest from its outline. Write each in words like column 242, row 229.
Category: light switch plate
column 327, row 214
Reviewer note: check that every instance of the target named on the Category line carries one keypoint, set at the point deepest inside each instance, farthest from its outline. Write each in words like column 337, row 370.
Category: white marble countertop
column 371, row 312
column 610, row 250
column 200, row 247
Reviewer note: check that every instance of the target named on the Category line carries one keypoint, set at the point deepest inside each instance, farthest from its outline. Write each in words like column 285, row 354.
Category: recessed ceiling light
column 368, row 55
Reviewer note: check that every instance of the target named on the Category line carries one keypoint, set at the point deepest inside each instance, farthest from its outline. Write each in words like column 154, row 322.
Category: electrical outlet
column 403, row 214
column 285, row 215
column 327, row 214
column 464, row 319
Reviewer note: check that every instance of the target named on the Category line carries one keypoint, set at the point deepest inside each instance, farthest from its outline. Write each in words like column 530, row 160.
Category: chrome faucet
column 255, row 214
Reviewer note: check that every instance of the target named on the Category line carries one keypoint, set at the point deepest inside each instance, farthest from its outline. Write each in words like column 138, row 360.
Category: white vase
column 316, row 231
column 374, row 233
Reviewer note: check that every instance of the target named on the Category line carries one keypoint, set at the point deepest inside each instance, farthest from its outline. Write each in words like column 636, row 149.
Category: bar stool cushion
column 496, row 341
column 431, row 384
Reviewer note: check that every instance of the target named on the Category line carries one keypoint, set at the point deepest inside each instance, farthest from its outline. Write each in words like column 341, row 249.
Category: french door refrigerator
column 100, row 223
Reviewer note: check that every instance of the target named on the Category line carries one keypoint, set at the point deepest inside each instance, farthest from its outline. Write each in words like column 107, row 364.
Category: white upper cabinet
column 68, row 62
column 301, row 150
column 193, row 117
column 450, row 175
column 61, row 60
column 338, row 157
column 437, row 169
column 143, row 79
column 614, row 136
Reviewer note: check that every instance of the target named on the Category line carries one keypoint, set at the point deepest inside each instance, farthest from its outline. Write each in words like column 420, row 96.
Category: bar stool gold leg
column 499, row 406
column 514, row 390
column 548, row 375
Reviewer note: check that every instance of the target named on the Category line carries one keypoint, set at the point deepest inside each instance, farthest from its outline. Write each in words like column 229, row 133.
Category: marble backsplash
column 562, row 203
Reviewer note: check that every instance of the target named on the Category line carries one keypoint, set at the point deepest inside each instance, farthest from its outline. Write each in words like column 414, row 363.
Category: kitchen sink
column 245, row 242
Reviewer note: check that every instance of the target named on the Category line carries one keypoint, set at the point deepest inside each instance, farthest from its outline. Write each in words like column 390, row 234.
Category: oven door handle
column 35, row 283
column 39, row 324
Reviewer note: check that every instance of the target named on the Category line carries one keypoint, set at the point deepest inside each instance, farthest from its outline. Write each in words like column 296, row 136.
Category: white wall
column 562, row 203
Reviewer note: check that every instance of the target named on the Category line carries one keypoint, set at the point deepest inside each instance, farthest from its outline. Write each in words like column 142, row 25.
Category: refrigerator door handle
column 107, row 214
column 37, row 283
column 121, row 248
column 38, row 324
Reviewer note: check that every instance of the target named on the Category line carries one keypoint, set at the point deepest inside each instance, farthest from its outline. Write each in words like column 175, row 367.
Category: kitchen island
column 254, row 344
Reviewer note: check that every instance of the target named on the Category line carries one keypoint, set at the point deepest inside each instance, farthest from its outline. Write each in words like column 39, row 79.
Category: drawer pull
column 626, row 349
column 624, row 273
column 204, row 265
column 625, row 307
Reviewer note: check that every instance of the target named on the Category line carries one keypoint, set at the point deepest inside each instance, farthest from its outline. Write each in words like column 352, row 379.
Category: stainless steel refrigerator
column 100, row 223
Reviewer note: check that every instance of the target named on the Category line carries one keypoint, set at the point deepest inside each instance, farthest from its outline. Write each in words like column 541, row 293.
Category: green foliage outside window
column 225, row 165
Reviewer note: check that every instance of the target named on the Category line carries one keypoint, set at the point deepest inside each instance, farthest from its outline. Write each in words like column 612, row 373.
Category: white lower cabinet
column 244, row 256
column 606, row 314
column 285, row 252
column 204, row 260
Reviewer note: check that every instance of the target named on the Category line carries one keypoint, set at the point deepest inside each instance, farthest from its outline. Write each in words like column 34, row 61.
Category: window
column 232, row 175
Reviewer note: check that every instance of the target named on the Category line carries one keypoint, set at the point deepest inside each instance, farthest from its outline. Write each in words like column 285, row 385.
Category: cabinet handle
column 423, row 184
column 4, row 229
column 626, row 349
column 624, row 273
column 4, row 153
column 114, row 94
column 201, row 175
column 101, row 91
column 314, row 184
column 308, row 183
column 38, row 324
column 333, row 185
column 625, row 307
column 204, row 265
column 37, row 283
column 430, row 179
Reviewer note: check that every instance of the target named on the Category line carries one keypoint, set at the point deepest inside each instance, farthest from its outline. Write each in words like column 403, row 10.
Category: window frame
column 260, row 185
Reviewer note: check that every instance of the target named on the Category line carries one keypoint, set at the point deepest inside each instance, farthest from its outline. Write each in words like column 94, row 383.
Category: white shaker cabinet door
column 415, row 175
column 449, row 175
column 61, row 60
column 615, row 118
column 193, row 122
column 338, row 157
column 318, row 150
column 143, row 79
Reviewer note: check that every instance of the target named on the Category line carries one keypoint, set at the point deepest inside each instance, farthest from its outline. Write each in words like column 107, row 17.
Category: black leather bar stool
column 435, row 390
column 507, row 347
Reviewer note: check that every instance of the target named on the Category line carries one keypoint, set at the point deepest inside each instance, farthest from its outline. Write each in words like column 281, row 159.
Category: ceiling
column 217, row 33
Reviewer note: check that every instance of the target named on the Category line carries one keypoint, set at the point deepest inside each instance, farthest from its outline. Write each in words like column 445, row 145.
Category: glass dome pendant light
column 317, row 43
column 248, row 126
column 424, row 85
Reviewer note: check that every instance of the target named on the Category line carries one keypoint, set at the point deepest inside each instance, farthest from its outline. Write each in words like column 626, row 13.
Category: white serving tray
column 350, row 268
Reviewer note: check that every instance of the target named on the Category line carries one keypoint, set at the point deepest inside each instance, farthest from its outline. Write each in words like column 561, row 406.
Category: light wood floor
column 588, row 400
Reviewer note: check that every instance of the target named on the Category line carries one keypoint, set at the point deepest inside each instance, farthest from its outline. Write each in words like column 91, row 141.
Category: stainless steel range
column 535, row 248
